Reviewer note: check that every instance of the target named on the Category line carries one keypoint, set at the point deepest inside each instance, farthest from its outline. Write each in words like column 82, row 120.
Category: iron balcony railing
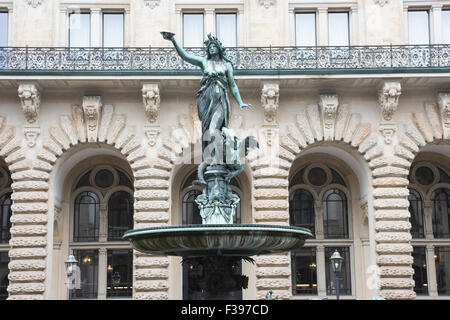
column 249, row 60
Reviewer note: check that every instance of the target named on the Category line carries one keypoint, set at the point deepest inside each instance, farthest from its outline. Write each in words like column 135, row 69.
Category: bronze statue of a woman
column 217, row 203
column 212, row 99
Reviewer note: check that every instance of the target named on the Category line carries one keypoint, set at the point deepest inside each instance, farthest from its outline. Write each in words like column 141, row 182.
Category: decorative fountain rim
column 217, row 239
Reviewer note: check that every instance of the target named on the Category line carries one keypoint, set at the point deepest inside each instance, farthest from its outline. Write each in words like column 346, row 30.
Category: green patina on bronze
column 217, row 245
column 222, row 150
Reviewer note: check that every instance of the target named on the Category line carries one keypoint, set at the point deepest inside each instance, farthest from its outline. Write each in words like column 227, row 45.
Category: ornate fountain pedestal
column 215, row 250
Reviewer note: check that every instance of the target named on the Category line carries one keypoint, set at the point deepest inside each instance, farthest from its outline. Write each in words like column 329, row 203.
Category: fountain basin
column 238, row 240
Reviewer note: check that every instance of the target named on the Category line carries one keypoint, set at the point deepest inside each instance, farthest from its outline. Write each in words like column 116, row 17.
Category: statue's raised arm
column 195, row 60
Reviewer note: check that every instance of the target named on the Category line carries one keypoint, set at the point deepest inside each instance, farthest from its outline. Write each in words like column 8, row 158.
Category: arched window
column 335, row 217
column 415, row 209
column 5, row 217
column 441, row 213
column 301, row 209
column 430, row 220
column 86, row 218
column 328, row 222
column 120, row 215
column 103, row 211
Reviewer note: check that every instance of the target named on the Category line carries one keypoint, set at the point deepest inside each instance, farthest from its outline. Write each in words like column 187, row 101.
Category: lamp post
column 70, row 263
column 336, row 264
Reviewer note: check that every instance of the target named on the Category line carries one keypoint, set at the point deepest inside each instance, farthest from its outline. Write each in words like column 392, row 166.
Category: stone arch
column 29, row 220
column 313, row 126
column 64, row 177
column 31, row 182
column 358, row 228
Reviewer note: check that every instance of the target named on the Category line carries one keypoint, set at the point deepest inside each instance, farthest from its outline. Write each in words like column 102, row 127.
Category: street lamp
column 70, row 263
column 336, row 264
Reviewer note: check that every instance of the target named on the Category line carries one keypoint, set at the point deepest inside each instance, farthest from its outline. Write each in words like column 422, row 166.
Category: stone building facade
column 357, row 134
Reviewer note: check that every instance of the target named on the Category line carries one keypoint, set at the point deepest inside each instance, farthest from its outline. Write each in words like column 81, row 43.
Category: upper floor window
column 305, row 29
column 419, row 27
column 226, row 29
column 446, row 26
column 79, row 29
column 338, row 29
column 3, row 29
column 113, row 31
column 193, row 34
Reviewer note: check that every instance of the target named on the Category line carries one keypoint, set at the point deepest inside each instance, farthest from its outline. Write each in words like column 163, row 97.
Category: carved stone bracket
column 444, row 108
column 388, row 130
column 267, row 3
column 152, row 132
column 152, row 3
column 269, row 98
column 381, row 2
column 31, row 133
column 35, row 3
column 30, row 97
column 92, row 107
column 329, row 105
column 388, row 99
column 151, row 100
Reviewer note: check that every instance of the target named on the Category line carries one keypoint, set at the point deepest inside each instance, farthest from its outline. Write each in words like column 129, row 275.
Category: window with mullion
column 304, row 271
column 120, row 215
column 5, row 217
column 420, row 270
column 345, row 287
column 86, row 218
column 79, row 30
column 119, row 273
column 88, row 264
column 3, row 29
column 193, row 34
column 416, row 212
column 442, row 262
column 335, row 215
column 418, row 27
column 4, row 281
column 446, row 26
column 226, row 29
column 301, row 209
column 440, row 200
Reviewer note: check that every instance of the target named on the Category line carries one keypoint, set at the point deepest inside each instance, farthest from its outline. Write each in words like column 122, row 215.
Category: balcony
column 246, row 60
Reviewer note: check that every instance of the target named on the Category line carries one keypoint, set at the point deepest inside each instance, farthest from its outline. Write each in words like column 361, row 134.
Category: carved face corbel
column 92, row 109
column 329, row 106
column 30, row 98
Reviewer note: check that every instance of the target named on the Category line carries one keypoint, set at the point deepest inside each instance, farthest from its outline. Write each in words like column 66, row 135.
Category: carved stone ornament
column 388, row 99
column 329, row 105
column 30, row 98
column 92, row 110
column 269, row 99
column 267, row 3
column 35, row 3
column 381, row 2
column 270, row 135
column 152, row 133
column 388, row 130
column 152, row 3
column 31, row 134
column 151, row 100
column 444, row 108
